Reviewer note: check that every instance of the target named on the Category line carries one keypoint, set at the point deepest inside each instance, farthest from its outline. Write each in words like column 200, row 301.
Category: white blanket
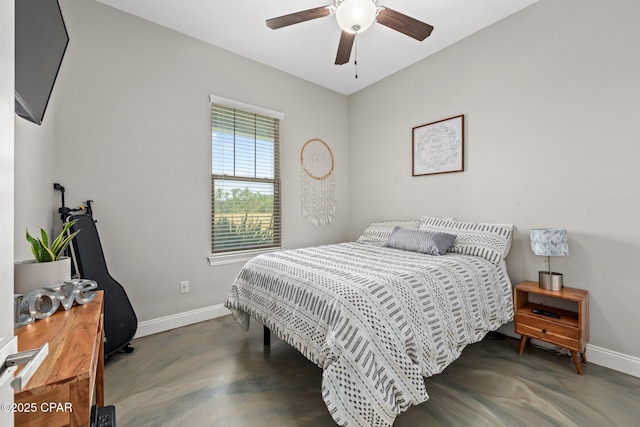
column 376, row 320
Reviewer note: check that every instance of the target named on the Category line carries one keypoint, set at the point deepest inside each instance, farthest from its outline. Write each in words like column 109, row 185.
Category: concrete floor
column 214, row 374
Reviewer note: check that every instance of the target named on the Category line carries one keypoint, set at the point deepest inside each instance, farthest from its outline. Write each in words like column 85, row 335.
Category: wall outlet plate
column 184, row 287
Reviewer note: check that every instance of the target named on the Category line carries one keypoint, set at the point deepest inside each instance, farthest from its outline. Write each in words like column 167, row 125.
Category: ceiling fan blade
column 298, row 17
column 404, row 24
column 344, row 48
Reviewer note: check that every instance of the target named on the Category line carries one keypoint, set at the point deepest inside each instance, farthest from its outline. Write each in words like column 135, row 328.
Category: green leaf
column 43, row 252
column 57, row 243
column 47, row 255
column 36, row 247
column 44, row 238
column 59, row 250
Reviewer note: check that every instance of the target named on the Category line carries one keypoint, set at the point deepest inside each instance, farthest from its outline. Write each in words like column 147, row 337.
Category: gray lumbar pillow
column 426, row 242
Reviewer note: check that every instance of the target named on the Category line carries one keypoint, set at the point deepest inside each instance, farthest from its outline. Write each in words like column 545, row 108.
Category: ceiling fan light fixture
column 355, row 16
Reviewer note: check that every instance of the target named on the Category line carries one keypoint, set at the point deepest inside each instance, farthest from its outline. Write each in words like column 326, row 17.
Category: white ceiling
column 308, row 49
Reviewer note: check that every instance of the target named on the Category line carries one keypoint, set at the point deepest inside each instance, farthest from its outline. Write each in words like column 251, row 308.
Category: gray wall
column 35, row 199
column 550, row 97
column 133, row 133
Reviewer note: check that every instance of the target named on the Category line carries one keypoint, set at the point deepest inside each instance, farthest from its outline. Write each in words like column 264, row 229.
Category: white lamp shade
column 355, row 16
column 549, row 242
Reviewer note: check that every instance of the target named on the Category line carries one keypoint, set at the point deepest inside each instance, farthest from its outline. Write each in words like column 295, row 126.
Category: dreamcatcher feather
column 318, row 187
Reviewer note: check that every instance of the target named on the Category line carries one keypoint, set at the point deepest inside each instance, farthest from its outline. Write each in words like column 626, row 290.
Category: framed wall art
column 438, row 147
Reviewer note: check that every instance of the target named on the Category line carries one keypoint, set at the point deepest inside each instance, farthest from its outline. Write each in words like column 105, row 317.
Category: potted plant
column 50, row 266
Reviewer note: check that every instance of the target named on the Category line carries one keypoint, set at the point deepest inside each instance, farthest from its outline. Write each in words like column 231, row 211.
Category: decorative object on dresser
column 30, row 274
column 565, row 328
column 49, row 267
column 438, row 147
column 42, row 303
column 549, row 242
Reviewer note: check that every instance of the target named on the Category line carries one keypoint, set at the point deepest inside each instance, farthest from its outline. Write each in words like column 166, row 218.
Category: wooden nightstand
column 570, row 331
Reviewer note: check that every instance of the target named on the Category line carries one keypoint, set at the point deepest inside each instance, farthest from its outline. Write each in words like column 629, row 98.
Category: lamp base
column 550, row 282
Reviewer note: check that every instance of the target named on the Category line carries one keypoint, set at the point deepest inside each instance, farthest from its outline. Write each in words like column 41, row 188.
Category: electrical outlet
column 184, row 287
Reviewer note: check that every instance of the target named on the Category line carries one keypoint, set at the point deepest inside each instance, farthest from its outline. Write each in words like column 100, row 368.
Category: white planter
column 30, row 275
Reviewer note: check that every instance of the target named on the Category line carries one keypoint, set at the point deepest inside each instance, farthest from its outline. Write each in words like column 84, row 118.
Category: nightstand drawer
column 564, row 336
column 551, row 325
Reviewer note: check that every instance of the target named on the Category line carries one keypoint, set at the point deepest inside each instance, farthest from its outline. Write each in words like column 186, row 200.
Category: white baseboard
column 161, row 324
column 620, row 362
column 613, row 360
column 600, row 356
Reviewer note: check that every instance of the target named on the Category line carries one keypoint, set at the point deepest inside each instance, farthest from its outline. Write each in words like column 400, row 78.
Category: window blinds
column 245, row 180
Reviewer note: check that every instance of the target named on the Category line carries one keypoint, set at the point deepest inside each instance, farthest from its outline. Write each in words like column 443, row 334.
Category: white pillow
column 446, row 218
column 489, row 241
column 379, row 231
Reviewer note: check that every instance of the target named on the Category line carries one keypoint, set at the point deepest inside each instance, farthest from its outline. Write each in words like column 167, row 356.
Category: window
column 245, row 177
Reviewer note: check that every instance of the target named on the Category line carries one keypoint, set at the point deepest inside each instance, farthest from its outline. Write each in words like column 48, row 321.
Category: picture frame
column 438, row 147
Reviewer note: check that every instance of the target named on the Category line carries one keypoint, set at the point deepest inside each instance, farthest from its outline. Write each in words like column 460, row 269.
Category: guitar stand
column 127, row 349
column 65, row 211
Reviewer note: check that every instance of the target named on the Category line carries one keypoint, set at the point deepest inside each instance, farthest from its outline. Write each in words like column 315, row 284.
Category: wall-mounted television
column 41, row 39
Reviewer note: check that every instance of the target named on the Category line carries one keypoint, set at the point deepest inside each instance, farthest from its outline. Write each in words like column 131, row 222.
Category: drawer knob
column 544, row 331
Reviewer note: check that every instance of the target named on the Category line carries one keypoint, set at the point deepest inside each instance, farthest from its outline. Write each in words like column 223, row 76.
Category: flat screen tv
column 41, row 40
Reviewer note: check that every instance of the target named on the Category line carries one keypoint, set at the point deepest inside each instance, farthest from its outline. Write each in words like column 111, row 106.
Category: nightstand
column 570, row 330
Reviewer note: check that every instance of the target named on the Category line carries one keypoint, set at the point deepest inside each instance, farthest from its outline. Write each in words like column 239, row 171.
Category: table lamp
column 549, row 242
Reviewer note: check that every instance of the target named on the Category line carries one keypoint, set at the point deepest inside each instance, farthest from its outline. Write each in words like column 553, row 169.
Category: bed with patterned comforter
column 377, row 320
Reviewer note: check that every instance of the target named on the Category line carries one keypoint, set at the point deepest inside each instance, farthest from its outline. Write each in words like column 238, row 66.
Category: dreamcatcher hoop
column 318, row 199
column 316, row 156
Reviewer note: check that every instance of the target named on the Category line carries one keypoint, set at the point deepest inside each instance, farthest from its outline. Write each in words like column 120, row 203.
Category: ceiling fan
column 354, row 17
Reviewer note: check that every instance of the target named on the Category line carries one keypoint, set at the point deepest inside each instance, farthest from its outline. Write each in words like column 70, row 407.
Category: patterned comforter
column 377, row 320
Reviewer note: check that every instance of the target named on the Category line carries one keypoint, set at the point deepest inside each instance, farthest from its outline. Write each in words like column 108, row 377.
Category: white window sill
column 237, row 257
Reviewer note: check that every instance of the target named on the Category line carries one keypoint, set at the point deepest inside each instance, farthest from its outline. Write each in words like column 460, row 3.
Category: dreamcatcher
column 318, row 187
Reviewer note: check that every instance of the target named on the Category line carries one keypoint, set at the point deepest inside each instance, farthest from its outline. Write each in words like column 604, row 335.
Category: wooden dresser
column 60, row 393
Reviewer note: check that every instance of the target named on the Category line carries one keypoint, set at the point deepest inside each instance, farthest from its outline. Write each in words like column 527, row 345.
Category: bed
column 378, row 317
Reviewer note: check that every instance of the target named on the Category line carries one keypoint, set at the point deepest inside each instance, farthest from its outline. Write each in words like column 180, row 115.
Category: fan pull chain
column 355, row 62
